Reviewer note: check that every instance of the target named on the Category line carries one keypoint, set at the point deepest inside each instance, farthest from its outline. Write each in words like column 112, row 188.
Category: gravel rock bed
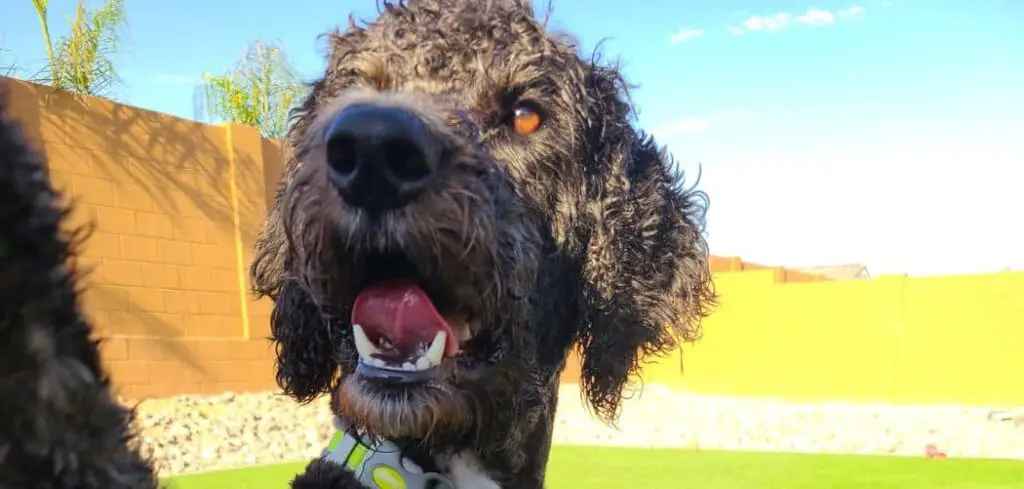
column 199, row 433
column 663, row 418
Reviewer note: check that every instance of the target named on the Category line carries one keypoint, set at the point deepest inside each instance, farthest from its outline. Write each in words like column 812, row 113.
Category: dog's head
column 467, row 198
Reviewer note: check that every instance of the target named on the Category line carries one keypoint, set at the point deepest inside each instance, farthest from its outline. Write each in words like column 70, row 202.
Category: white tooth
column 363, row 344
column 376, row 362
column 464, row 334
column 409, row 367
column 422, row 363
column 436, row 351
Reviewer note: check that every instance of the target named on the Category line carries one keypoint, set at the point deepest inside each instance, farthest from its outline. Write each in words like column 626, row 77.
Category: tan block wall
column 175, row 206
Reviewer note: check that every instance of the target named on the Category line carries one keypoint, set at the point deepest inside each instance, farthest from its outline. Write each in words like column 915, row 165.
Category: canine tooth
column 363, row 344
column 408, row 366
column 436, row 351
column 422, row 363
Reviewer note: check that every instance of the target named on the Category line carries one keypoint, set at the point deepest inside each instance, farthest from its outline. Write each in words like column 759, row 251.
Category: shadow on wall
column 175, row 206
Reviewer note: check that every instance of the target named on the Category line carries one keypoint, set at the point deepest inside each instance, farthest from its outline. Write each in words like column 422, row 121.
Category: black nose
column 380, row 157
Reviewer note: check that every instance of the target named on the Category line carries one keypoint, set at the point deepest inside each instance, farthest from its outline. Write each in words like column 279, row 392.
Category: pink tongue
column 400, row 311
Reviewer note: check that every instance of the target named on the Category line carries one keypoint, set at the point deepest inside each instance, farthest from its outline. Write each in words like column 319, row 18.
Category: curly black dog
column 60, row 426
column 466, row 200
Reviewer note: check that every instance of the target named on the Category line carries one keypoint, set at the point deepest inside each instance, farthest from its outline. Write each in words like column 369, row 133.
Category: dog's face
column 466, row 199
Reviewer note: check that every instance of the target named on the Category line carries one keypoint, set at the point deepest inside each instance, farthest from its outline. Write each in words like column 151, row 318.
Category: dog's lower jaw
column 412, row 415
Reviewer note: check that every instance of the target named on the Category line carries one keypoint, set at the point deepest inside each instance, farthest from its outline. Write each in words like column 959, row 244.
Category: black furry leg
column 60, row 426
column 326, row 475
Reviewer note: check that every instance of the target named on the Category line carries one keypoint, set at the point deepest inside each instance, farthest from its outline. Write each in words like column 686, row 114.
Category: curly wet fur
column 580, row 234
column 60, row 427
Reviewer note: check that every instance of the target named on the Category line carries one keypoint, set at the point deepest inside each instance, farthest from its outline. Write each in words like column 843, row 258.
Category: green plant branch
column 258, row 91
column 42, row 6
column 80, row 62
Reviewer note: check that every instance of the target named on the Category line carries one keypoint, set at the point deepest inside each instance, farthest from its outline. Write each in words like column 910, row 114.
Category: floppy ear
column 305, row 344
column 646, row 282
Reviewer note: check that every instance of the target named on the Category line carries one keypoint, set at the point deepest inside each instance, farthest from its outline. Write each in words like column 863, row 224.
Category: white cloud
column 684, row 35
column 816, row 17
column 777, row 22
column 853, row 11
column 767, row 23
column 780, row 21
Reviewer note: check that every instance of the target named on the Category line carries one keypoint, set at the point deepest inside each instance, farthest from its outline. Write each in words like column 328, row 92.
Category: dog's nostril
column 341, row 154
column 380, row 157
column 405, row 160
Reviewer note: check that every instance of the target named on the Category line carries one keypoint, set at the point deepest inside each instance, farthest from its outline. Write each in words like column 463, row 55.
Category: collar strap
column 379, row 465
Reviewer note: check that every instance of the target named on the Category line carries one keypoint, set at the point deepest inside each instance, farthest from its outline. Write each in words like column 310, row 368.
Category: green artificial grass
column 576, row 467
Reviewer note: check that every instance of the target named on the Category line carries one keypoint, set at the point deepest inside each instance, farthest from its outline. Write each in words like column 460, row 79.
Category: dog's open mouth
column 397, row 329
column 401, row 331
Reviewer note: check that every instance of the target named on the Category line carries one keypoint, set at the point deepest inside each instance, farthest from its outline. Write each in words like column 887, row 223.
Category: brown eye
column 526, row 120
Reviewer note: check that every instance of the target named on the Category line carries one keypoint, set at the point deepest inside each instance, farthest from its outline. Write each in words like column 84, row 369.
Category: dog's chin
column 432, row 405
column 427, row 411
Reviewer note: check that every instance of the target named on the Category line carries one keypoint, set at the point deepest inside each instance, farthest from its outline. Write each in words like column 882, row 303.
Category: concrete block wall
column 173, row 207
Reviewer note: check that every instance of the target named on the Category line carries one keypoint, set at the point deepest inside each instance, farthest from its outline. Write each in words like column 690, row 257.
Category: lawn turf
column 573, row 467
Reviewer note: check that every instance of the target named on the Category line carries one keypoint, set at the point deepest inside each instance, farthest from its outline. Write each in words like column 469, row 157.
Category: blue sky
column 887, row 133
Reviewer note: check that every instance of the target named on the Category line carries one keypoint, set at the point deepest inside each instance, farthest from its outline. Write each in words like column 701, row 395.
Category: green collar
column 379, row 465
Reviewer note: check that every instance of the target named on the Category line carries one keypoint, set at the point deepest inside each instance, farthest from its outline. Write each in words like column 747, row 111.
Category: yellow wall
column 955, row 339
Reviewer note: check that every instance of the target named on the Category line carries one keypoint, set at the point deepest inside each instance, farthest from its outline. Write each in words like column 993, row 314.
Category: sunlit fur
column 582, row 233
